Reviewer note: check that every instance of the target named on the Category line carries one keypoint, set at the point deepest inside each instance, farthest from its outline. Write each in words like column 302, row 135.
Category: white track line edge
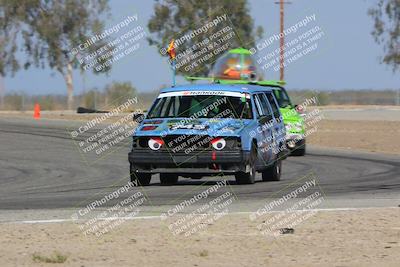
column 159, row 217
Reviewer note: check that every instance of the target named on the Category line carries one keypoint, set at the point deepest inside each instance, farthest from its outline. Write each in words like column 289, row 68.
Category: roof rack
column 222, row 81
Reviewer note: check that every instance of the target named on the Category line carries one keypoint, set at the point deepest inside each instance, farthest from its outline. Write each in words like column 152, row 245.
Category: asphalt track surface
column 41, row 168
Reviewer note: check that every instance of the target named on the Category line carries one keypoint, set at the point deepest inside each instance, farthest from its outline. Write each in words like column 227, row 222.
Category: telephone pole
column 2, row 89
column 282, row 38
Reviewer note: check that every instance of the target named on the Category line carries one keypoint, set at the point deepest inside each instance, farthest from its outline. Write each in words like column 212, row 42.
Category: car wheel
column 273, row 172
column 168, row 178
column 248, row 177
column 140, row 178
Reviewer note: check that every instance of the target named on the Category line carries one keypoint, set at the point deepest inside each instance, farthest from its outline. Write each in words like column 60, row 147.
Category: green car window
column 282, row 98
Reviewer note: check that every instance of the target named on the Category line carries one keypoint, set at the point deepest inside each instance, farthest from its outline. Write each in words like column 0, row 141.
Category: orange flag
column 171, row 49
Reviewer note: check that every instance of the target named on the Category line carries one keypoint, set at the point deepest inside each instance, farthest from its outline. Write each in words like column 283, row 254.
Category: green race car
column 237, row 66
column 294, row 123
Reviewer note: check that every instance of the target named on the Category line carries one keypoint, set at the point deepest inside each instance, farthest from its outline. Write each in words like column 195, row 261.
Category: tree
column 8, row 26
column 386, row 15
column 46, row 102
column 173, row 19
column 119, row 92
column 8, row 29
column 52, row 32
column 89, row 99
column 14, row 101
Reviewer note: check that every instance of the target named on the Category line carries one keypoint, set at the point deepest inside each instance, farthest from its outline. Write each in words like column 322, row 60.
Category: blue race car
column 201, row 130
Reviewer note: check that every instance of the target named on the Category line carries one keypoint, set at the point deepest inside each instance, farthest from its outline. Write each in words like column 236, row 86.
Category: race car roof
column 242, row 88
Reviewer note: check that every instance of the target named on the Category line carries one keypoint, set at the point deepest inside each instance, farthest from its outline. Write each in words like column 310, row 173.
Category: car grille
column 187, row 143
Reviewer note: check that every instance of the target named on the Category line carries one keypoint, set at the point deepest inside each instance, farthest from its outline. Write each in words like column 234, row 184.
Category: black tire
column 299, row 151
column 273, row 172
column 248, row 177
column 142, row 179
column 168, row 178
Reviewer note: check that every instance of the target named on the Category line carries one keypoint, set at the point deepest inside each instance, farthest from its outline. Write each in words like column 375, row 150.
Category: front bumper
column 294, row 140
column 200, row 162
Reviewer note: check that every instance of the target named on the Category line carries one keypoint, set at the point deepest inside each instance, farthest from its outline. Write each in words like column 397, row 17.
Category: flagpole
column 171, row 53
column 173, row 73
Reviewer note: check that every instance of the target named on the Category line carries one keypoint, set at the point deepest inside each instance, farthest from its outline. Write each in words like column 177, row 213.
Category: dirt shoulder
column 372, row 136
column 359, row 107
column 60, row 115
column 369, row 237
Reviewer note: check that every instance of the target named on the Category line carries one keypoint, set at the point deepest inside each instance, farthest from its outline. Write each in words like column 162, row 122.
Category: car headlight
column 155, row 143
column 294, row 127
column 218, row 143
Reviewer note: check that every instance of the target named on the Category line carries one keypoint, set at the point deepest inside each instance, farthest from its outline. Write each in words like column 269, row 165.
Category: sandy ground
column 328, row 238
column 60, row 115
column 359, row 107
column 372, row 136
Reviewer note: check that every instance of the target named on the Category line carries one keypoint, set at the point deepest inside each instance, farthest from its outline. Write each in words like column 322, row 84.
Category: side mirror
column 138, row 117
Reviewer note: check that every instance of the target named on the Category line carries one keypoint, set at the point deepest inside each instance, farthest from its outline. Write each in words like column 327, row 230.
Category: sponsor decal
column 189, row 93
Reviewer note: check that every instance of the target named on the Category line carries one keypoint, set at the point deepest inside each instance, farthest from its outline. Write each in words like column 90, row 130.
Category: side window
column 277, row 95
column 156, row 110
column 282, row 97
column 166, row 107
column 264, row 104
column 170, row 112
column 259, row 108
column 273, row 104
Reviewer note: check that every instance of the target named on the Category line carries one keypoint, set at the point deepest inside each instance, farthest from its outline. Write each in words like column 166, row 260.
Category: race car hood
column 290, row 115
column 202, row 126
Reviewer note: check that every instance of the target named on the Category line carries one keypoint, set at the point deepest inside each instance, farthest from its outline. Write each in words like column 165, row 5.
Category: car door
column 265, row 128
column 278, row 128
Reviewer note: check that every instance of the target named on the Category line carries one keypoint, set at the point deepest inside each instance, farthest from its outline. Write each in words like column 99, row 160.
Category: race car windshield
column 201, row 106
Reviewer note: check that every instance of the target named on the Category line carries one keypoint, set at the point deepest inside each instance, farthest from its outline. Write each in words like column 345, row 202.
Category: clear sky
column 346, row 58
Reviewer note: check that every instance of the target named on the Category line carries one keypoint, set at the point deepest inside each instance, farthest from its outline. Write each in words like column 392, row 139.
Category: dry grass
column 55, row 258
